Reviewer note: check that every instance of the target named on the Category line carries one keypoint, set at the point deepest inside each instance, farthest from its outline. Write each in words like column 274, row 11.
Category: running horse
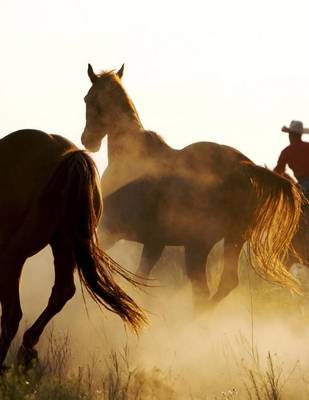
column 50, row 194
column 193, row 197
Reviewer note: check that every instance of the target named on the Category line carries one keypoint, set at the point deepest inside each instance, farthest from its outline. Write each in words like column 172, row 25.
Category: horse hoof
column 27, row 357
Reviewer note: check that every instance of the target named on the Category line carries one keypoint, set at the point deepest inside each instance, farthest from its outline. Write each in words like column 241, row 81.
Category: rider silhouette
column 296, row 155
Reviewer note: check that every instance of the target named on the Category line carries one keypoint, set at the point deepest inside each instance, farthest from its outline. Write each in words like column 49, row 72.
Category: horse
column 301, row 238
column 50, row 195
column 192, row 197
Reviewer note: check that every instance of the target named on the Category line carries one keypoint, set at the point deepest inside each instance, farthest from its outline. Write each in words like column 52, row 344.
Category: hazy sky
column 227, row 71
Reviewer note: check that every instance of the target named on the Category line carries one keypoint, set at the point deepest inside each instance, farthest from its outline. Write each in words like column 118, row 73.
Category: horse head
column 102, row 103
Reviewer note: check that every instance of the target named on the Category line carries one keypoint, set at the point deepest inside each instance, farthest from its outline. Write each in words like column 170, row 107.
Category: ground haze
column 253, row 344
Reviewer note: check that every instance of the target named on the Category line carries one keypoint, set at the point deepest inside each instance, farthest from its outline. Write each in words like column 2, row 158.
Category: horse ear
column 120, row 72
column 91, row 74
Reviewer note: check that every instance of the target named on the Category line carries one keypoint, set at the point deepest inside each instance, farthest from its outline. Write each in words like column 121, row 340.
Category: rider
column 296, row 155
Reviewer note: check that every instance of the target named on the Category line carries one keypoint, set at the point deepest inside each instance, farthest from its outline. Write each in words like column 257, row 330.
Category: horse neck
column 125, row 138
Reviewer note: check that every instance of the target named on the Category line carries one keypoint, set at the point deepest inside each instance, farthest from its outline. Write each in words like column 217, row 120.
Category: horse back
column 210, row 156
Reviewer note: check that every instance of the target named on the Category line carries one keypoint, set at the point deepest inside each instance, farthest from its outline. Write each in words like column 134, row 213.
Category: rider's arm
column 282, row 161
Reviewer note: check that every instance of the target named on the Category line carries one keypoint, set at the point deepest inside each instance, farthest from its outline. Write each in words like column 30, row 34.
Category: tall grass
column 48, row 379
column 53, row 378
column 254, row 377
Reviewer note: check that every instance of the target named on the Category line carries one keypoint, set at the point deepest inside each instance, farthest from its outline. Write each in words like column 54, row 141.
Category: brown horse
column 192, row 197
column 50, row 194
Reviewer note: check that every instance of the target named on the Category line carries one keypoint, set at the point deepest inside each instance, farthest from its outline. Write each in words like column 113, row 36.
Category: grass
column 48, row 379
column 54, row 379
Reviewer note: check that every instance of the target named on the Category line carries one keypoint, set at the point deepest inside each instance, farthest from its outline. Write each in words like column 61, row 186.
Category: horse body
column 19, row 175
column 50, row 195
column 170, row 208
column 156, row 197
column 191, row 197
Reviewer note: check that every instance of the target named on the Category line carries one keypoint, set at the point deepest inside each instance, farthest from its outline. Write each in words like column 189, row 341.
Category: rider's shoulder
column 286, row 149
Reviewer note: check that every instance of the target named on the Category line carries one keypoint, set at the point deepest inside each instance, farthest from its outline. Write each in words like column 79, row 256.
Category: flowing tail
column 76, row 179
column 277, row 212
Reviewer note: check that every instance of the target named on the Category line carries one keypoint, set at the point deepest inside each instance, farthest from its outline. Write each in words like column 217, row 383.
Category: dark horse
column 50, row 194
column 193, row 197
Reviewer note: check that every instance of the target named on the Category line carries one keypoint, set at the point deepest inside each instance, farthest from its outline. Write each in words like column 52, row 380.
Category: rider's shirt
column 296, row 156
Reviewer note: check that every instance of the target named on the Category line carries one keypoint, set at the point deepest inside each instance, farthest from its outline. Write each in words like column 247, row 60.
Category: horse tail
column 277, row 209
column 76, row 178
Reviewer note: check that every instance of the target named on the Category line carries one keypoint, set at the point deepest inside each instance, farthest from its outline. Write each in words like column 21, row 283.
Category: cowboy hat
column 295, row 127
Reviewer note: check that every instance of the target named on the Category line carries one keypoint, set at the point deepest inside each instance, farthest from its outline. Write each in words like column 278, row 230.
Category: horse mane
column 106, row 73
column 155, row 138
column 124, row 100
column 155, row 141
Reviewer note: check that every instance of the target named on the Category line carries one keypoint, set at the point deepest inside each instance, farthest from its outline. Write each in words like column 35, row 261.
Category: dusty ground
column 258, row 331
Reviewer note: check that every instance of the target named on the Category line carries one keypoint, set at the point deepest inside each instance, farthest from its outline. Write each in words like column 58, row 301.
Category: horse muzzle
column 91, row 141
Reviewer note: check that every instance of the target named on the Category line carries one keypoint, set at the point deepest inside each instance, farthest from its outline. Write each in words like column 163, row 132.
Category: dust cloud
column 258, row 328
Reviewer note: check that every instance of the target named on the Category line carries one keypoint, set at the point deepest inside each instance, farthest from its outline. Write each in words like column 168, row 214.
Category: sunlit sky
column 227, row 71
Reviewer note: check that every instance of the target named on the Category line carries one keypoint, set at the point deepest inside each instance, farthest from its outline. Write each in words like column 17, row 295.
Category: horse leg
column 229, row 279
column 150, row 255
column 10, row 303
column 62, row 291
column 196, row 259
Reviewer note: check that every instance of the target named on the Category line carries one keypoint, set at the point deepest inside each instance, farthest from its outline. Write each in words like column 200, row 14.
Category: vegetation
column 54, row 379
